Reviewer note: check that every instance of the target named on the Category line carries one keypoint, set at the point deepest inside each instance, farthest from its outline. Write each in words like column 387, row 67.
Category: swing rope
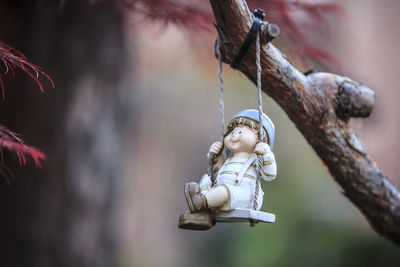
column 211, row 171
column 220, row 89
column 260, row 159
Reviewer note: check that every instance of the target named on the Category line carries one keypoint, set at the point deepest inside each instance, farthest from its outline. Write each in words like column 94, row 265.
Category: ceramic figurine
column 234, row 191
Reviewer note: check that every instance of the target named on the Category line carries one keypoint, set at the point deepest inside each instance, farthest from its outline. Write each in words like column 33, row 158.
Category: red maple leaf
column 13, row 59
column 11, row 142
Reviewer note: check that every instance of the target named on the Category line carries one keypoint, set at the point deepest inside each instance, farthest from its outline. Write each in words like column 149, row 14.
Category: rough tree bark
column 320, row 105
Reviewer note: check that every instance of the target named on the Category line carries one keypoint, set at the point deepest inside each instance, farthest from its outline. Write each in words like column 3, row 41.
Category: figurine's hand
column 215, row 149
column 262, row 148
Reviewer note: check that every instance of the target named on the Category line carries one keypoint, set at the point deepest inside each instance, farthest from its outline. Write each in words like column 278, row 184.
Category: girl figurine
column 235, row 178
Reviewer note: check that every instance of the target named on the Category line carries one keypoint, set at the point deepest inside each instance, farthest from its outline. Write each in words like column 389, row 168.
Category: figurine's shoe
column 199, row 202
column 191, row 189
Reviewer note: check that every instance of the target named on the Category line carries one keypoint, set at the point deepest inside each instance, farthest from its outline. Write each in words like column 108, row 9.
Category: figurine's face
column 241, row 139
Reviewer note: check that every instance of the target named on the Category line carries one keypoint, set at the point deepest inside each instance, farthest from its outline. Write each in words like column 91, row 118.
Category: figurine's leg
column 217, row 197
column 194, row 198
column 191, row 189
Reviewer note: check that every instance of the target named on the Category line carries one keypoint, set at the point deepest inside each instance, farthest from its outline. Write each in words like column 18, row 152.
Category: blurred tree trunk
column 63, row 214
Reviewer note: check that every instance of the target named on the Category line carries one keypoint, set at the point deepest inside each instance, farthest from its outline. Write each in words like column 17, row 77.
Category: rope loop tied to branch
column 259, row 15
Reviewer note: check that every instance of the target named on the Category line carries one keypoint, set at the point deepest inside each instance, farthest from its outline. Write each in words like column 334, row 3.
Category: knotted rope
column 260, row 159
column 220, row 89
column 212, row 158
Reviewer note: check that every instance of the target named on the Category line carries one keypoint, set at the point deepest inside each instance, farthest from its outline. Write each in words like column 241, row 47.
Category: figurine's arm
column 268, row 169
column 215, row 150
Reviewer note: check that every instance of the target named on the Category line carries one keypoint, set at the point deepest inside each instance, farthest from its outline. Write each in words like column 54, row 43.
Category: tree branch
column 320, row 105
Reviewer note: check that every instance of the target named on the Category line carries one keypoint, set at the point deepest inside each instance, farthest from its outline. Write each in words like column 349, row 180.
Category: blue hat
column 266, row 122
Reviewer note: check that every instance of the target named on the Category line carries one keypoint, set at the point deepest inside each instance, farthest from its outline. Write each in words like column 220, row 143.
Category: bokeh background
column 133, row 114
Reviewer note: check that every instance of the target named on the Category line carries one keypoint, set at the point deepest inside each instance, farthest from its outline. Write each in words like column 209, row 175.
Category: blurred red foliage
column 297, row 19
column 10, row 141
column 13, row 59
column 193, row 15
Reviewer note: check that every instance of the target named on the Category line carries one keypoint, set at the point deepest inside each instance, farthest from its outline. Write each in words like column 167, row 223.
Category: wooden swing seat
column 243, row 215
column 204, row 220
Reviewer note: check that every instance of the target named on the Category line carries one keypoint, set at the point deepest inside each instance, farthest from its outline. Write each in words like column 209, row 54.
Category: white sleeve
column 268, row 170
